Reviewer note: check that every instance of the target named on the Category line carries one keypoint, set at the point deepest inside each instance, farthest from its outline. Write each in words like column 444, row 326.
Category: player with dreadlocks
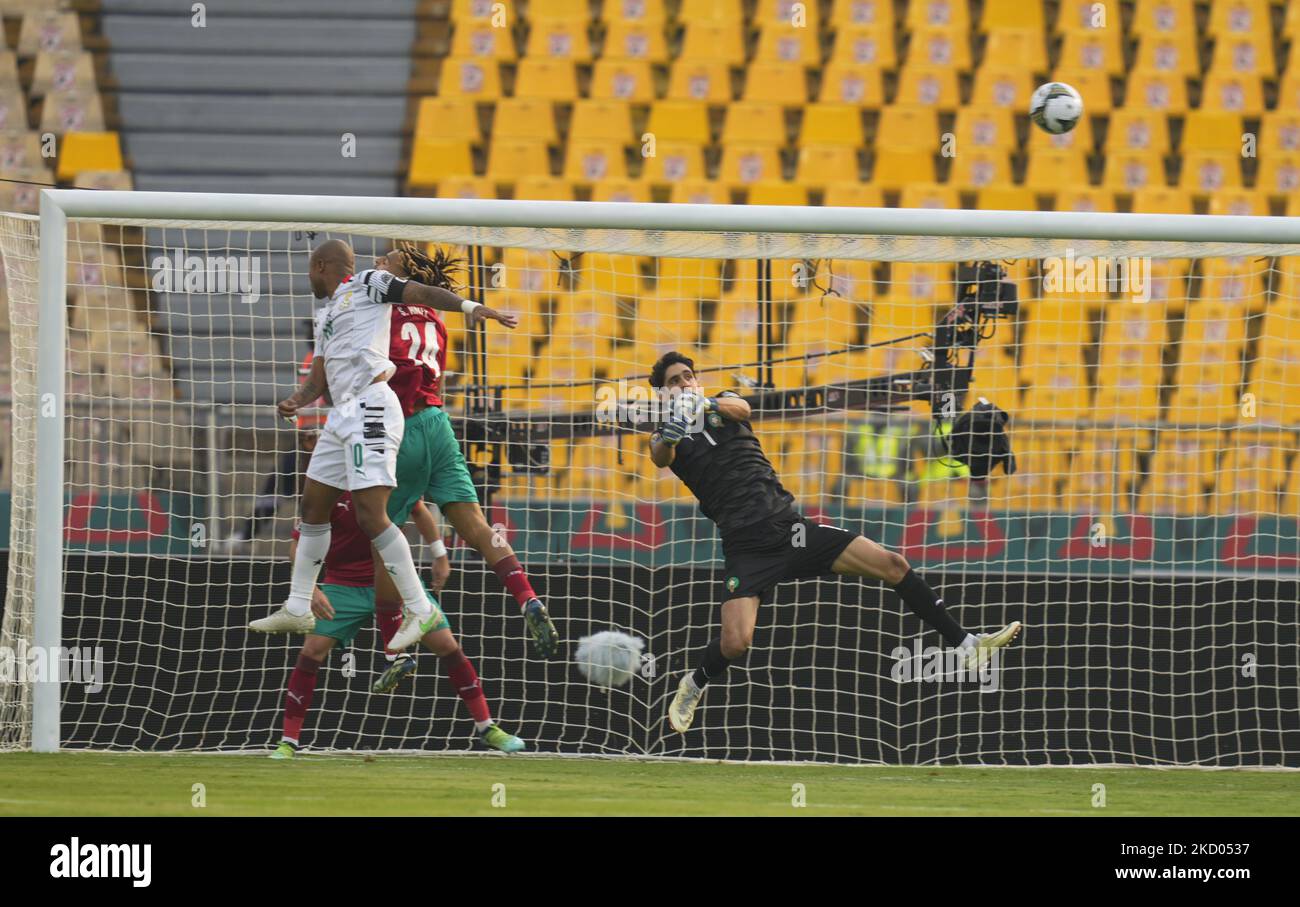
column 433, row 468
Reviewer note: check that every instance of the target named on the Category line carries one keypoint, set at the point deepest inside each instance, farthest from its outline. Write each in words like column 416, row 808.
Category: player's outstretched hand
column 483, row 313
column 320, row 605
column 674, row 431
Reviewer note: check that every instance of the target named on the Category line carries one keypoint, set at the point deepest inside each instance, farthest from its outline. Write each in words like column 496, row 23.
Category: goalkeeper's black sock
column 922, row 601
column 713, row 665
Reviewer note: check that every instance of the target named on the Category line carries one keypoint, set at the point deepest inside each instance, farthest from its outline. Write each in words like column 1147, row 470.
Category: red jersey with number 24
column 418, row 348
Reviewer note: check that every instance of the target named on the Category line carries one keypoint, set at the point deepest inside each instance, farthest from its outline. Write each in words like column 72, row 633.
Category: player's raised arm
column 446, row 301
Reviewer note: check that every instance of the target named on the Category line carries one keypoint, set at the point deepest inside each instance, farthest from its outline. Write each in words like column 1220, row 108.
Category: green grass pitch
column 74, row 784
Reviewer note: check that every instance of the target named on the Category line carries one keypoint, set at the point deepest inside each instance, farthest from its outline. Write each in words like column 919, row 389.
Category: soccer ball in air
column 609, row 658
column 1055, row 107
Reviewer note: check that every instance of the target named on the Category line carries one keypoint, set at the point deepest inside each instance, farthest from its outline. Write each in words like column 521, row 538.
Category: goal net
column 1147, row 537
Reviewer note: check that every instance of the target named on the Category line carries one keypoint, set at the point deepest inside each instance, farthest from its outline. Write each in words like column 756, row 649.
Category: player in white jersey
column 357, row 450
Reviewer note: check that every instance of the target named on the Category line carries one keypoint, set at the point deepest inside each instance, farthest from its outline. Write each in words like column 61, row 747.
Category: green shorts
column 430, row 466
column 354, row 608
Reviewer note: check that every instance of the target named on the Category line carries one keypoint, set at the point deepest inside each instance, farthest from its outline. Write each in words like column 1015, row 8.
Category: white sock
column 396, row 555
column 481, row 726
column 690, row 681
column 970, row 642
column 313, row 545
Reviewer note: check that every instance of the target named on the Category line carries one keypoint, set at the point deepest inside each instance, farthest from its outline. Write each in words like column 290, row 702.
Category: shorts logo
column 733, row 583
column 715, row 420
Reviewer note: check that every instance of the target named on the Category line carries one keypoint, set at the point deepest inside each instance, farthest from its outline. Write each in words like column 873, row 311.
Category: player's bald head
column 330, row 264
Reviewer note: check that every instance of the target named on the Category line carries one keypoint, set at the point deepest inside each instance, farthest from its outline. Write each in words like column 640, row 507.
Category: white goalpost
column 1147, row 538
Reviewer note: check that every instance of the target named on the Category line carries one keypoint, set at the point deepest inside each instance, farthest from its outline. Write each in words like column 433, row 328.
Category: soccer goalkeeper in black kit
column 710, row 445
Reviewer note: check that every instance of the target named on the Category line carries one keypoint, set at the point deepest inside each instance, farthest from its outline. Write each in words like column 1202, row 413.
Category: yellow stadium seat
column 480, row 39
column 1079, row 139
column 1239, row 17
column 1245, row 55
column 819, row 164
column 627, row 40
column 675, row 161
column 872, row 45
column 434, row 159
column 1055, row 319
column 1236, row 92
column 62, row 71
column 908, row 129
column 1103, row 471
column 700, row 80
column 1280, row 130
column 509, row 159
column 852, row 83
column 914, row 283
column 757, row 122
column 852, row 195
column 1061, row 392
column 940, row 46
column 1287, row 287
column 1161, row 199
column 1181, row 472
column 1133, row 337
column 438, row 117
column 524, row 118
column 88, row 151
column 831, row 124
column 1205, row 393
column 471, row 77
column 783, row 83
column 939, row 12
column 542, row 77
column 929, row 195
column 466, row 187
column 787, row 12
column 786, row 43
column 1138, row 129
column 975, row 168
column 777, row 193
column 1092, row 84
column 1279, row 174
column 1212, row 130
column 1049, row 170
column 1289, row 92
column 1169, row 52
column 1238, row 201
column 471, row 10
column 1157, row 90
column 620, row 190
column 1214, row 332
column 71, row 110
column 985, row 127
column 1161, row 17
column 680, row 121
column 1000, row 85
column 612, row 275
column 893, row 168
column 749, row 163
column 593, row 161
column 610, row 120
column 711, row 10
column 1081, row 15
column 1085, row 199
column 623, row 80
column 713, row 40
column 48, row 30
column 648, row 11
column 1025, row 45
column 1042, row 462
column 544, row 188
column 1206, row 171
column 688, row 278
column 1006, row 198
column 1097, row 49
column 928, row 86
column 1252, row 474
column 1128, row 171
column 1011, row 14
column 862, row 12
column 560, row 39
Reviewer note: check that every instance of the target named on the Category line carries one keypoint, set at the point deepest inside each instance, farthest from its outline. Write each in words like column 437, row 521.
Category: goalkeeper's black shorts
column 760, row 557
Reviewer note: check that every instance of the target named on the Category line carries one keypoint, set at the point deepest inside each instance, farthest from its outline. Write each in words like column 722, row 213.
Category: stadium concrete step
column 236, row 35
column 161, row 152
column 217, row 73
column 362, row 115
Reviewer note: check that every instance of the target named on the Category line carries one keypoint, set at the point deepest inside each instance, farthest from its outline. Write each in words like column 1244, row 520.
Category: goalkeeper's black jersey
column 724, row 467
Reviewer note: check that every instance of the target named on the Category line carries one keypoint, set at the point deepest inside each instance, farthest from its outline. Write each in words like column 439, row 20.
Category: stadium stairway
column 261, row 97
